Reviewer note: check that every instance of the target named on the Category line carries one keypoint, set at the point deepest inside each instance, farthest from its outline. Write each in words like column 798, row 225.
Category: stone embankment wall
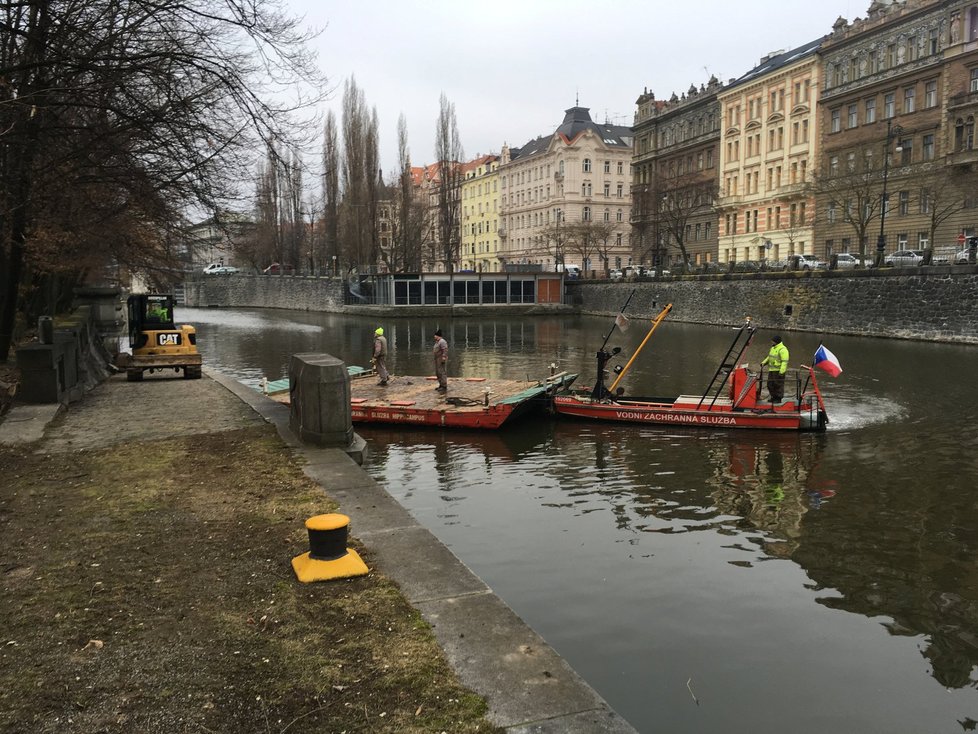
column 268, row 291
column 932, row 304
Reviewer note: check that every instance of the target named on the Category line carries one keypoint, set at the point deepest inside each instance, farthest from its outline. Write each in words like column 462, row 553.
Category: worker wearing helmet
column 380, row 356
column 777, row 361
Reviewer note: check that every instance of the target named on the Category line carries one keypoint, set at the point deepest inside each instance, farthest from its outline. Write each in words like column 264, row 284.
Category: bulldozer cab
column 149, row 312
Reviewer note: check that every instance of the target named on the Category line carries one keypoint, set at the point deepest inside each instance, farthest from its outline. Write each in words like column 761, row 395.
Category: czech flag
column 824, row 359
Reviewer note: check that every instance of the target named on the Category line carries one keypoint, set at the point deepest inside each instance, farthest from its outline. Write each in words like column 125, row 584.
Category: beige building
column 767, row 149
column 565, row 198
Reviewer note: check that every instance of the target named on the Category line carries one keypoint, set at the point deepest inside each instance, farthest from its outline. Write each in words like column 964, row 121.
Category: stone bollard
column 319, row 403
column 328, row 557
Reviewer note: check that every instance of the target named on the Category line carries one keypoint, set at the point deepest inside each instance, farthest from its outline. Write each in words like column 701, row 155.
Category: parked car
column 616, row 274
column 846, row 261
column 902, row 258
column 218, row 269
column 961, row 258
column 802, row 262
column 276, row 269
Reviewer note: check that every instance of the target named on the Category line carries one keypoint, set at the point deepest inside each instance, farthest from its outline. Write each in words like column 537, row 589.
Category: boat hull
column 782, row 418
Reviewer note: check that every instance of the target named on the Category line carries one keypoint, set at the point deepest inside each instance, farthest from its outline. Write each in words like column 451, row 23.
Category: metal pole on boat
column 655, row 324
column 615, row 322
column 599, row 391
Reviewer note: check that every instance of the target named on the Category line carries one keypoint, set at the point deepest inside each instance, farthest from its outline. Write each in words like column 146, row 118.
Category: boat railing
column 796, row 382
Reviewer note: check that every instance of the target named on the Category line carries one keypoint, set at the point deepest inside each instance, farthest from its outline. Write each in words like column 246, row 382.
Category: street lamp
column 891, row 132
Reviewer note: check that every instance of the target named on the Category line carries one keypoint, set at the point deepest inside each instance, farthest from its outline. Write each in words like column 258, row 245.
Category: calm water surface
column 700, row 580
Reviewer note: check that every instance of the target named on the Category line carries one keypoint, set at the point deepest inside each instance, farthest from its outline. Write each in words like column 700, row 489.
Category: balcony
column 962, row 157
column 964, row 99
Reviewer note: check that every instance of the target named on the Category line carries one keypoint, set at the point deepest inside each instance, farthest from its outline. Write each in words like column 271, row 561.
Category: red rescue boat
column 733, row 399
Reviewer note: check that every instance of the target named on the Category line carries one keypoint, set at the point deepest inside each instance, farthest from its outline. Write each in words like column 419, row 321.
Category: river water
column 701, row 580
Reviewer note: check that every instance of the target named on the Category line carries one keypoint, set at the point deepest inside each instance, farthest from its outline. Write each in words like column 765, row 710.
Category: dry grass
column 147, row 588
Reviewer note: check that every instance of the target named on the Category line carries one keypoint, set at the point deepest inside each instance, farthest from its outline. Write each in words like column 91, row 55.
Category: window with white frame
column 889, row 105
column 586, row 214
column 586, row 166
column 909, row 99
column 870, row 111
column 930, row 95
column 836, row 120
column 853, row 116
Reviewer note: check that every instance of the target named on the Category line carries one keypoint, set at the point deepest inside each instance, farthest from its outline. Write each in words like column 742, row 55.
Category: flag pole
column 615, row 322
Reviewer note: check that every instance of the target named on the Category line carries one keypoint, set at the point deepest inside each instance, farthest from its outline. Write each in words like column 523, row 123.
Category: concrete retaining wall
column 932, row 304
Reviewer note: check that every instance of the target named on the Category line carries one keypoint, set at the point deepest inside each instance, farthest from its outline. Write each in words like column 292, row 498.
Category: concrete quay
column 527, row 686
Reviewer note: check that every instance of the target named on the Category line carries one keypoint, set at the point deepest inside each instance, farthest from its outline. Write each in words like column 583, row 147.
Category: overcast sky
column 512, row 68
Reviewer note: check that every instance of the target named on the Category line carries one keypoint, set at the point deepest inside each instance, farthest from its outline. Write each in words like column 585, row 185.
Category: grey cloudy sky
column 512, row 68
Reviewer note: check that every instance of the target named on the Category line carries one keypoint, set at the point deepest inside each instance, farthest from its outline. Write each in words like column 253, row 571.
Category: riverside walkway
column 526, row 686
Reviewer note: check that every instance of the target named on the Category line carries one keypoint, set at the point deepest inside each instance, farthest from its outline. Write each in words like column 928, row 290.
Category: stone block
column 319, row 387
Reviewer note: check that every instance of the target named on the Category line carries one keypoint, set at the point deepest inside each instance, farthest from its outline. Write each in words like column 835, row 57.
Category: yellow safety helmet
column 379, row 331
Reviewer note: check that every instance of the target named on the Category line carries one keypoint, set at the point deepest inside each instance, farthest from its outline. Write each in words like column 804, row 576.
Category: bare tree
column 681, row 199
column 117, row 117
column 943, row 194
column 555, row 238
column 331, row 193
column 448, row 151
column 584, row 240
column 850, row 195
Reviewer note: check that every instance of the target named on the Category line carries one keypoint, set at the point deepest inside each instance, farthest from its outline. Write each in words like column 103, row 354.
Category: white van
column 571, row 272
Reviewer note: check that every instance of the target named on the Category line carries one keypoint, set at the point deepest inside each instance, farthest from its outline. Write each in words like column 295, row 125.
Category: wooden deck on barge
column 470, row 402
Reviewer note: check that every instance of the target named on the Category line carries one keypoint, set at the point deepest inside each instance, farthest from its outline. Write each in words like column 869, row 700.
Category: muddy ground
column 146, row 586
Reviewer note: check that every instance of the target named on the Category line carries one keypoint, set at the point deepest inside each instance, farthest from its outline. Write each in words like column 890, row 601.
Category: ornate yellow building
column 480, row 215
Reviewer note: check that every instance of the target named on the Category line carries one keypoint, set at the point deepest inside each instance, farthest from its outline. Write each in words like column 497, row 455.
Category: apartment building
column 767, row 149
column 565, row 197
column 675, row 177
column 480, row 215
column 899, row 98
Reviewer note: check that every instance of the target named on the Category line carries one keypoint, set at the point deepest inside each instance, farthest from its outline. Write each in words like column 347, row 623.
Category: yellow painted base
column 309, row 570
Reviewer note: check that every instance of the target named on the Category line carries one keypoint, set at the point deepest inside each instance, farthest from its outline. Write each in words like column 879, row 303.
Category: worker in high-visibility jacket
column 777, row 361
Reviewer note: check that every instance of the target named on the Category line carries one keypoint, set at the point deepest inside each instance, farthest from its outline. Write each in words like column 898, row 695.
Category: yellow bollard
column 328, row 557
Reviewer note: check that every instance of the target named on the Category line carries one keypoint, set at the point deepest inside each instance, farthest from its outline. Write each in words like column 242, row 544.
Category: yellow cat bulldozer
column 157, row 343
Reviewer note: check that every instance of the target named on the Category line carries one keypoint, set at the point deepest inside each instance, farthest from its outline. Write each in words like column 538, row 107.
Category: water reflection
column 764, row 565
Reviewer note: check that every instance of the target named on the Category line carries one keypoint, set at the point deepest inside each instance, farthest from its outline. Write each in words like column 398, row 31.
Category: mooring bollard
column 328, row 557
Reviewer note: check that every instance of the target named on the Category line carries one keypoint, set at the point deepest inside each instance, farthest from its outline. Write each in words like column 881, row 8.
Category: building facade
column 565, row 198
column 767, row 150
column 675, row 177
column 480, row 215
column 899, row 98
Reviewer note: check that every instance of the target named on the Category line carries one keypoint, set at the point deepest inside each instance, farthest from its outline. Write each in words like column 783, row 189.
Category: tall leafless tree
column 119, row 116
column 331, row 193
column 448, row 151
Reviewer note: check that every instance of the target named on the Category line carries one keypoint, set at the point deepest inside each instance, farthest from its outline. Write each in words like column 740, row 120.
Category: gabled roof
column 775, row 62
column 577, row 120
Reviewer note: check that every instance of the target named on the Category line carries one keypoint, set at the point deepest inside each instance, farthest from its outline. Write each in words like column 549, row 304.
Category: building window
column 889, row 105
column 932, row 42
column 621, row 189
column 906, row 154
column 587, row 165
column 974, row 81
column 836, row 120
column 830, row 214
column 621, row 167
column 923, row 240
column 930, row 95
column 925, row 201
column 607, row 166
column 927, row 150
column 607, row 189
column 904, row 203
column 853, row 116
column 586, row 214
column 560, row 167
column 909, row 99
column 834, row 165
column 870, row 111
column 902, row 241
column 607, row 215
